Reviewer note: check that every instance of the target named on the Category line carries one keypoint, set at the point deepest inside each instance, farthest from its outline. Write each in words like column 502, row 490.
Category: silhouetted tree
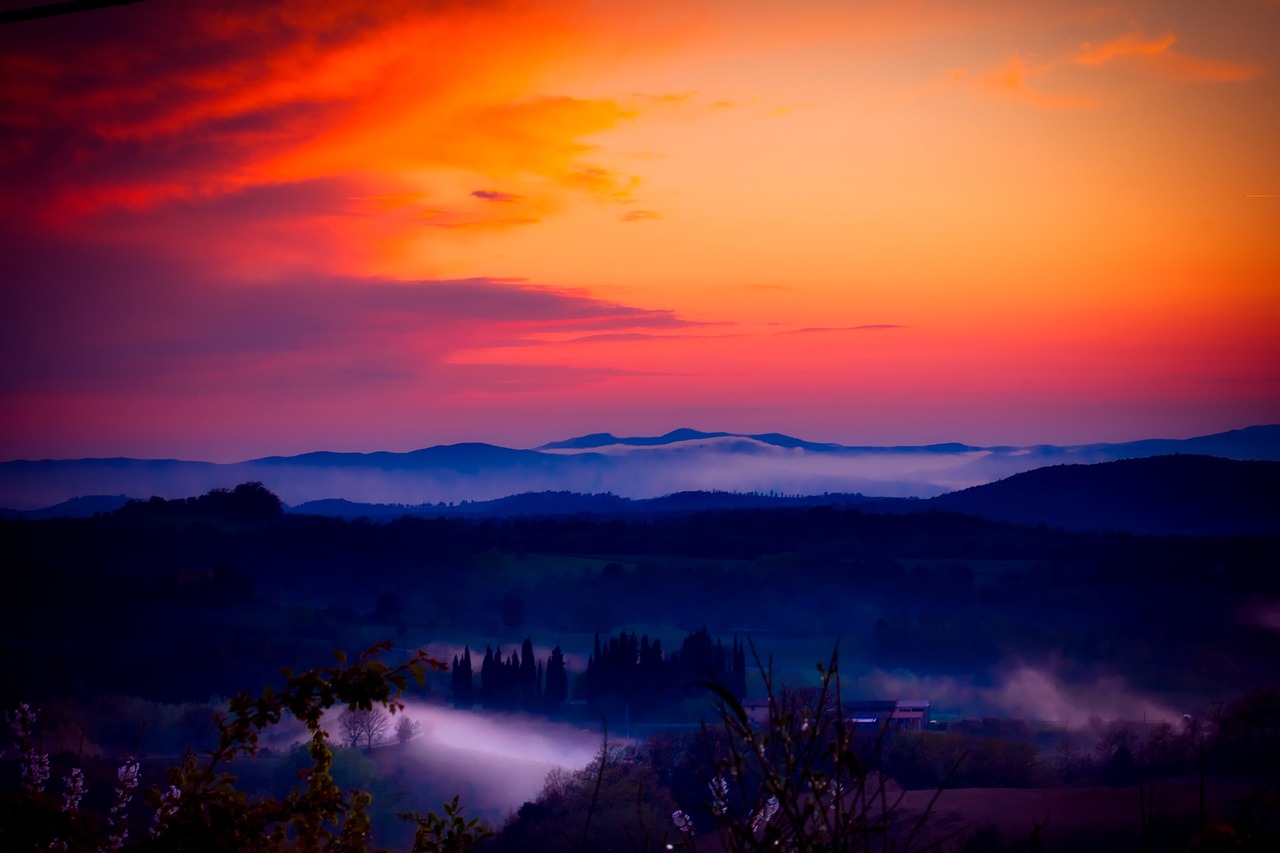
column 407, row 729
column 528, row 676
column 360, row 724
column 463, row 685
column 490, row 675
column 557, row 692
column 247, row 502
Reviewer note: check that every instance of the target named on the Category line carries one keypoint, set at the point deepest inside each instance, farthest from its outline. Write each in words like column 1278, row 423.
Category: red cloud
column 192, row 102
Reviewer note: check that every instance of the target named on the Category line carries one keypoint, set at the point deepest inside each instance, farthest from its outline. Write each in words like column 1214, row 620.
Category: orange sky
column 246, row 228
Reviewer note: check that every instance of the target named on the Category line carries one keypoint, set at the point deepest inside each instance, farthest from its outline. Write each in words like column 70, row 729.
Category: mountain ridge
column 683, row 460
column 1178, row 494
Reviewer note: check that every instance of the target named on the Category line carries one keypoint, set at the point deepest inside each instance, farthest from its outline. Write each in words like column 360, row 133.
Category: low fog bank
column 495, row 762
column 1023, row 691
column 635, row 478
column 470, row 472
column 889, row 473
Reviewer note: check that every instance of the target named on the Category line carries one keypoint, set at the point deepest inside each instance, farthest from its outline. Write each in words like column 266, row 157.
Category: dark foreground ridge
column 1179, row 494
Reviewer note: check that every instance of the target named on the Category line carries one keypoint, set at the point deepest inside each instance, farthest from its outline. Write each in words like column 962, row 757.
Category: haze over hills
column 1159, row 495
column 684, row 460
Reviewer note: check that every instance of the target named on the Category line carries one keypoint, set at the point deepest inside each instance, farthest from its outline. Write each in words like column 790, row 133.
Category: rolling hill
column 684, row 460
column 1177, row 494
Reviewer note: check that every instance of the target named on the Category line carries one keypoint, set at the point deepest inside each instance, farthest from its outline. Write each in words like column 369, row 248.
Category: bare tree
column 1066, row 757
column 368, row 726
column 407, row 729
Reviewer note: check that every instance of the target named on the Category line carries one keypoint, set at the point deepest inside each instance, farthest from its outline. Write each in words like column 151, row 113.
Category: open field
column 1094, row 819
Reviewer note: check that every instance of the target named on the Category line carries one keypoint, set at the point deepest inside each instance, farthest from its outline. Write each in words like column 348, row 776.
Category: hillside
column 1178, row 494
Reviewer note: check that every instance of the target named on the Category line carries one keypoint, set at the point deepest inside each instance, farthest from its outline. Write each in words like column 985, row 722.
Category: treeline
column 635, row 677
column 624, row 675
column 517, row 683
column 248, row 502
column 935, row 593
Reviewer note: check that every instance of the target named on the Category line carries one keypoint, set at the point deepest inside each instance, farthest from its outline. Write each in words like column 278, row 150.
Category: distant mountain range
column 1162, row 495
column 767, row 466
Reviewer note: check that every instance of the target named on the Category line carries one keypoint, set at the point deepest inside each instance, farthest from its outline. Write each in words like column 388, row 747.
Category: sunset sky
column 233, row 229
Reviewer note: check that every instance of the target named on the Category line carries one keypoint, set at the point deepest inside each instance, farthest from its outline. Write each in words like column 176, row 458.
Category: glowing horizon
column 272, row 228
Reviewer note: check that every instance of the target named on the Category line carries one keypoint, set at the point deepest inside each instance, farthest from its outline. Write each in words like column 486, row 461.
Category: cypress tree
column 528, row 676
column 489, row 676
column 468, row 682
column 557, row 680
column 511, row 682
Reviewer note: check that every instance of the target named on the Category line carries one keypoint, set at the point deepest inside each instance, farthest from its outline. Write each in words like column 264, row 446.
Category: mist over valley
column 635, row 468
column 1069, row 628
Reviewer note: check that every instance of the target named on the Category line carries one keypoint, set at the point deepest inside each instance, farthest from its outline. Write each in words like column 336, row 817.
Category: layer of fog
column 497, row 761
column 648, row 474
column 471, row 473
column 494, row 762
column 501, row 761
column 1023, row 691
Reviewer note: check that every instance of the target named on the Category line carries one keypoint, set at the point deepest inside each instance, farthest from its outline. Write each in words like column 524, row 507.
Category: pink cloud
column 131, row 323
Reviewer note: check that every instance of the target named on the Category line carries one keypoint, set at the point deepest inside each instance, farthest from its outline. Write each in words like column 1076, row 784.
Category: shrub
column 202, row 809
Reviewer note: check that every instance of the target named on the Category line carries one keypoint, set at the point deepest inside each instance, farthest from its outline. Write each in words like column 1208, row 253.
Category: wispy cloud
column 1012, row 80
column 1156, row 56
column 640, row 215
column 507, row 222
column 495, row 195
column 135, row 322
column 601, row 181
column 627, row 337
column 1033, row 81
column 810, row 330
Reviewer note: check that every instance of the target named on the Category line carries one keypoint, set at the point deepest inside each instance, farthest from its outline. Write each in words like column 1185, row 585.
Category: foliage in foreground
column 801, row 779
column 201, row 809
column 617, row 802
column 804, row 780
